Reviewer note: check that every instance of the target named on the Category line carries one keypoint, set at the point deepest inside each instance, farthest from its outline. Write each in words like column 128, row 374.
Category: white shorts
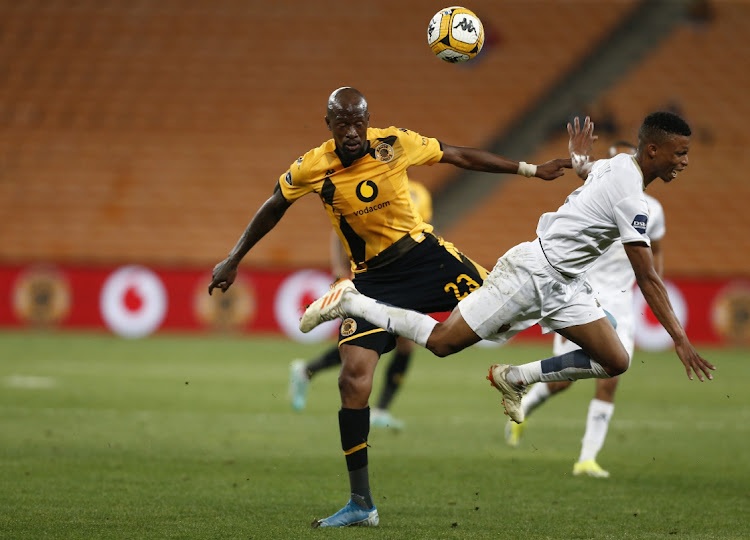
column 523, row 290
column 620, row 304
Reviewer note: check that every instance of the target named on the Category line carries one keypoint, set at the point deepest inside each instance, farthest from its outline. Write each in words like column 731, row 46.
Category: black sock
column 329, row 358
column 393, row 378
column 354, row 426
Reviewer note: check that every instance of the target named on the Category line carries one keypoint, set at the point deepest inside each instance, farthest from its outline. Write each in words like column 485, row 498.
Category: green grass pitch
column 193, row 437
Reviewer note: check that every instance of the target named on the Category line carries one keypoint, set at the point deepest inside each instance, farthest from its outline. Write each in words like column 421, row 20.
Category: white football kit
column 613, row 279
column 544, row 281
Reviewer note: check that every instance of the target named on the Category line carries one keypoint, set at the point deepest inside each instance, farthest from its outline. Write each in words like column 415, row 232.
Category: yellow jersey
column 368, row 200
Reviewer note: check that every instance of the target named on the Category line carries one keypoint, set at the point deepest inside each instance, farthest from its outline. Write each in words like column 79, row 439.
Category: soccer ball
column 455, row 34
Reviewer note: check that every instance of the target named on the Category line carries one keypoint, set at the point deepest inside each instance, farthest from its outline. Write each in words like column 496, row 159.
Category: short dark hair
column 660, row 125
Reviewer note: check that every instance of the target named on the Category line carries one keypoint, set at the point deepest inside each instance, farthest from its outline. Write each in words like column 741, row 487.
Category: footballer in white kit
column 544, row 281
column 613, row 281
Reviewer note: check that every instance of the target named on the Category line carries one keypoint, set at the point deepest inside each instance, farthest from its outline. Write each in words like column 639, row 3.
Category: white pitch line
column 32, row 382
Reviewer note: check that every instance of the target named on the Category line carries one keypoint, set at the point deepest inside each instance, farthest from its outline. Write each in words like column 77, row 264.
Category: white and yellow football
column 455, row 34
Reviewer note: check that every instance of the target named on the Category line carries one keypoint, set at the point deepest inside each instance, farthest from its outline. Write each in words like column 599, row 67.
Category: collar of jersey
column 643, row 183
column 347, row 163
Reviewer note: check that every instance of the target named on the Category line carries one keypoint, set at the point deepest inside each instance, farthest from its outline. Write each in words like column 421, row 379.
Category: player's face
column 671, row 157
column 349, row 129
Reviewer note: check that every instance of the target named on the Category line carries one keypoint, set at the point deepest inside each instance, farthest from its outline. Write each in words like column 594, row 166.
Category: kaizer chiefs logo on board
column 348, row 327
column 42, row 296
column 731, row 313
column 384, row 152
column 231, row 310
column 367, row 191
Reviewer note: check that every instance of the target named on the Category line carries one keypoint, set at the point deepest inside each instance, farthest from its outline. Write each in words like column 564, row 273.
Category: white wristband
column 526, row 169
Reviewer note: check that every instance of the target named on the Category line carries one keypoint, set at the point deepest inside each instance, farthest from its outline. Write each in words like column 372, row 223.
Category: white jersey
column 612, row 271
column 612, row 279
column 609, row 205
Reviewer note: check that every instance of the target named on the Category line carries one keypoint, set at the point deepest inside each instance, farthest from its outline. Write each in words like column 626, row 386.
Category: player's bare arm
column 656, row 296
column 580, row 145
column 481, row 160
column 658, row 255
column 265, row 219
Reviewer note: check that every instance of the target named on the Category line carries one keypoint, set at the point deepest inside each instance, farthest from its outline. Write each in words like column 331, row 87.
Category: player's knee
column 618, row 365
column 354, row 385
column 441, row 342
column 441, row 348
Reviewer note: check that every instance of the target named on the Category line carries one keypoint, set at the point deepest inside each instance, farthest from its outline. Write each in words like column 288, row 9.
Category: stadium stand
column 150, row 132
column 694, row 70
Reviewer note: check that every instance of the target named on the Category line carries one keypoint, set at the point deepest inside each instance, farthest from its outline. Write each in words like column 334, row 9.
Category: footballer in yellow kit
column 370, row 205
column 360, row 175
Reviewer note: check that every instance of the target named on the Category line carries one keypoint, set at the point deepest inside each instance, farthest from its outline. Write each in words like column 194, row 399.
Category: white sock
column 537, row 394
column 404, row 322
column 597, row 423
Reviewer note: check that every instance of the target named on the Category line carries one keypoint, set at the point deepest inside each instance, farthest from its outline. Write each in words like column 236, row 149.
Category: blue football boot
column 350, row 515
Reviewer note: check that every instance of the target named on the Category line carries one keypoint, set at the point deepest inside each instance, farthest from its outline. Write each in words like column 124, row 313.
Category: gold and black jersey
column 368, row 200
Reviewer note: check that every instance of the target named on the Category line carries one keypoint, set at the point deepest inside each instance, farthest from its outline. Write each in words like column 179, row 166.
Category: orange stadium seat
column 151, row 132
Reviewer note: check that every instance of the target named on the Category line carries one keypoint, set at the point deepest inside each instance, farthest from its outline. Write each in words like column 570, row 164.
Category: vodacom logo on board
column 133, row 301
column 295, row 293
column 649, row 333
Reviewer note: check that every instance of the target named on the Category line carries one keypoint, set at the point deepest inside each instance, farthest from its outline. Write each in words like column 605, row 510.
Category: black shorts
column 431, row 277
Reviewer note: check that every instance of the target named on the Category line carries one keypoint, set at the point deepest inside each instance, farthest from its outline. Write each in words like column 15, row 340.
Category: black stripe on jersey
column 327, row 191
column 356, row 244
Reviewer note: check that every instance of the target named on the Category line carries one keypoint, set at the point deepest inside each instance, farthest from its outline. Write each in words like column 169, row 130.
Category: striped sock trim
column 355, row 449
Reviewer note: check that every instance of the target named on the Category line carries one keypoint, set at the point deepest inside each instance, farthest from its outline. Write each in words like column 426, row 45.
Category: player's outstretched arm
column 481, row 160
column 658, row 300
column 580, row 145
column 264, row 220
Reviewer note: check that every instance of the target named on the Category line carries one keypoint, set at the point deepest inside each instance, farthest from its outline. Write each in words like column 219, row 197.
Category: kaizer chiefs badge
column 384, row 152
column 348, row 327
column 42, row 297
column 232, row 310
column 731, row 313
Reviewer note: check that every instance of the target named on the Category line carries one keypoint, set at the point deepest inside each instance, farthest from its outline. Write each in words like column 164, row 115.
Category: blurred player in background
column 613, row 279
column 301, row 372
column 360, row 176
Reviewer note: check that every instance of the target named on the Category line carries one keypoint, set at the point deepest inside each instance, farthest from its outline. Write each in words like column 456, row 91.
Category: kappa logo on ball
column 348, row 327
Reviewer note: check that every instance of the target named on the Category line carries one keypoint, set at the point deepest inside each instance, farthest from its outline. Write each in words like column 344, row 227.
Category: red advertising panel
column 135, row 301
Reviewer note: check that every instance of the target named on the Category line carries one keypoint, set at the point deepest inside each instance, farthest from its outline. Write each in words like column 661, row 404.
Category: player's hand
column 223, row 276
column 581, row 139
column 694, row 362
column 552, row 169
